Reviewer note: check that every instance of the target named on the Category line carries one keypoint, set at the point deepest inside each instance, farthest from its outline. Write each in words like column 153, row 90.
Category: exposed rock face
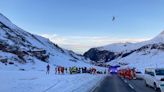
column 17, row 40
column 100, row 56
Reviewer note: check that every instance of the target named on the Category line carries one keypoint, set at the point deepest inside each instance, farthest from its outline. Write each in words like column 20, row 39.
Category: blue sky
column 81, row 24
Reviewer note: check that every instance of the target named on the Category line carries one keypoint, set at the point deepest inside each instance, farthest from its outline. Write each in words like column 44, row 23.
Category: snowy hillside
column 140, row 55
column 22, row 49
column 23, row 61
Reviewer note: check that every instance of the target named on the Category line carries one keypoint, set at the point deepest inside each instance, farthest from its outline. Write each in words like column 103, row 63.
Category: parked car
column 154, row 77
column 139, row 75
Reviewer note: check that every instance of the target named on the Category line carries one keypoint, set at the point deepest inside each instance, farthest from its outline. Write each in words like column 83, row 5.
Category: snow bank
column 37, row 81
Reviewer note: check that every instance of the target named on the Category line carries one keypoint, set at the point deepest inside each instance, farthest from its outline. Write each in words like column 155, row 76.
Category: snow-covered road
column 38, row 81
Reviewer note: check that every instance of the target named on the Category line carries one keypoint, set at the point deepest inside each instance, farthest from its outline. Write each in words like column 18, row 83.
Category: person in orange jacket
column 62, row 70
column 129, row 74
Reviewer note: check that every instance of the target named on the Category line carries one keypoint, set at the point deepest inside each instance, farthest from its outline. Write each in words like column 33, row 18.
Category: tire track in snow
column 46, row 90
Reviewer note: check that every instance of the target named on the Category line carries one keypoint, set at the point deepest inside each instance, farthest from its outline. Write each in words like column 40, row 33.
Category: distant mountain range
column 140, row 55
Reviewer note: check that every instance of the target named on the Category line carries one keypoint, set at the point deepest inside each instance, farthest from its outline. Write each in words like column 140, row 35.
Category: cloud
column 81, row 44
column 54, row 38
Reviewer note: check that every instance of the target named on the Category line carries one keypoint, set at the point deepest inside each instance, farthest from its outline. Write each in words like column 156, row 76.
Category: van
column 154, row 77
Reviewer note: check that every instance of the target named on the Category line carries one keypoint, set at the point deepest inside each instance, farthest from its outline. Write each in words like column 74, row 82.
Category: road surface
column 116, row 84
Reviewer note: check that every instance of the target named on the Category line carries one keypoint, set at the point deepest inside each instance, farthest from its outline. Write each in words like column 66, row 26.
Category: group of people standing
column 75, row 70
column 72, row 70
column 58, row 70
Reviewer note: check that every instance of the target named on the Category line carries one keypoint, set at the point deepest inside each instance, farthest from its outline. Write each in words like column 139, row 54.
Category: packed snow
column 38, row 81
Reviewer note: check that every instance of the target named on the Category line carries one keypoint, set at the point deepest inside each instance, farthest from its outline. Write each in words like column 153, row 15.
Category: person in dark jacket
column 48, row 69
column 56, row 69
column 66, row 70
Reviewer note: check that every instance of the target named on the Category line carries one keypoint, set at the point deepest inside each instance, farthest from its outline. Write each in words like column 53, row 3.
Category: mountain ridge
column 21, row 47
column 130, row 53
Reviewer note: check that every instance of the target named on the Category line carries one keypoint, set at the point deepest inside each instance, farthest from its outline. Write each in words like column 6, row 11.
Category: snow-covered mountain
column 20, row 48
column 142, row 54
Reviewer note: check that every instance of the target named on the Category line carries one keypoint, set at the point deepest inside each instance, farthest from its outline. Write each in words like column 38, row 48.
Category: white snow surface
column 38, row 81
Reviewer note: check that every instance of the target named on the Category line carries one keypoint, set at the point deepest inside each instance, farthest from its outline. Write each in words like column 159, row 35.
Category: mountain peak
column 162, row 33
column 4, row 18
column 7, row 22
column 159, row 38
